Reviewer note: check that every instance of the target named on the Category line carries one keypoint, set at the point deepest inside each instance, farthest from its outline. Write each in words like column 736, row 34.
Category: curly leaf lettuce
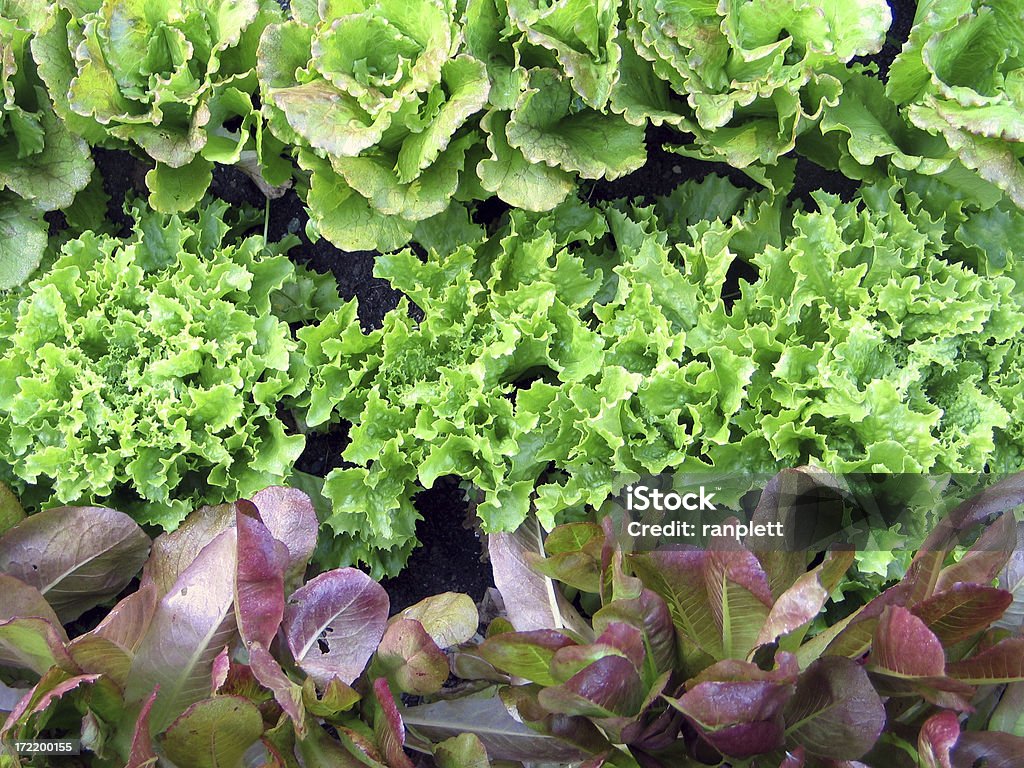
column 746, row 78
column 175, row 81
column 148, row 371
column 573, row 351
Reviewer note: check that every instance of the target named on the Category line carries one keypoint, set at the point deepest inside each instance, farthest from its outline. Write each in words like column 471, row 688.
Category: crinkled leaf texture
column 167, row 80
column 575, row 351
column 147, row 372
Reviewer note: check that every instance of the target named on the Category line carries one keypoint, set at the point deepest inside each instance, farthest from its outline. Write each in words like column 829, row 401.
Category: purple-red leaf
column 936, row 739
column 334, row 623
column 411, row 659
column 259, row 580
column 388, row 726
column 740, row 719
column 1002, row 663
column 962, row 611
column 174, row 551
column 988, row 750
column 190, row 626
column 905, row 647
column 142, row 754
column 287, row 694
column 651, row 615
column 835, row 711
column 610, row 687
column 77, row 557
column 128, row 621
column 290, row 516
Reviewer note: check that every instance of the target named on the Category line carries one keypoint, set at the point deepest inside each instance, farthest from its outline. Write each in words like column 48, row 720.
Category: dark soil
column 451, row 557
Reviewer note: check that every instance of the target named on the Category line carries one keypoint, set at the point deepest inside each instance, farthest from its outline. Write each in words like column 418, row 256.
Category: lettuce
column 961, row 78
column 573, row 351
column 746, row 78
column 42, row 166
column 176, row 81
column 401, row 112
column 148, row 371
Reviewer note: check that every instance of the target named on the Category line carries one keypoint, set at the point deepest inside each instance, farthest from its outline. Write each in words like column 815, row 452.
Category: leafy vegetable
column 571, row 352
column 148, row 371
column 399, row 110
column 746, row 78
column 176, row 81
column 959, row 78
column 42, row 166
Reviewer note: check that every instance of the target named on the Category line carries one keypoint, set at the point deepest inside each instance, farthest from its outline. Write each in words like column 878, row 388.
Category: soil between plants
column 451, row 555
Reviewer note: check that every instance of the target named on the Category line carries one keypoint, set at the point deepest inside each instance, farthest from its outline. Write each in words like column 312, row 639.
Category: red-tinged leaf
column 629, row 640
column 936, row 739
column 259, row 580
column 923, row 574
column 142, row 754
column 794, row 608
column 334, row 623
column 573, row 556
column 794, row 758
column 33, row 644
column 410, row 659
column 128, row 621
column 287, row 694
column 450, row 618
column 463, row 751
column 650, row 614
column 22, row 601
column 610, row 687
column 986, row 557
column 174, row 551
column 1002, row 663
column 835, row 712
column 94, row 654
column 51, row 688
column 190, row 626
column 213, row 733
column 786, row 671
column 988, row 750
column 1012, row 580
column 525, row 654
column 388, row 726
column 290, row 516
column 905, row 647
column 532, row 600
column 220, row 670
column 739, row 719
column 962, row 611
column 77, row 557
column 677, row 576
column 739, row 595
column 570, row 661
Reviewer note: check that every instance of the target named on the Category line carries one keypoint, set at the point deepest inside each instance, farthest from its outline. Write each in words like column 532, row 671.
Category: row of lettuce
column 224, row 655
column 554, row 360
column 396, row 112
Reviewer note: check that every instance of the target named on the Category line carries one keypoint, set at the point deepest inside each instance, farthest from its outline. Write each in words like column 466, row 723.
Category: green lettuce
column 174, row 80
column 148, row 372
column 42, row 166
column 401, row 112
column 746, row 78
column 574, row 351
column 961, row 78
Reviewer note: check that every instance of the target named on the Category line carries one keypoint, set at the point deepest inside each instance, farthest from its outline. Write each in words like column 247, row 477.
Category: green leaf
column 22, row 240
column 214, row 733
column 173, row 190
